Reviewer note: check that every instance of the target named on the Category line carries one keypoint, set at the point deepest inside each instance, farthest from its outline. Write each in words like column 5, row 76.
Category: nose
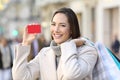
column 56, row 29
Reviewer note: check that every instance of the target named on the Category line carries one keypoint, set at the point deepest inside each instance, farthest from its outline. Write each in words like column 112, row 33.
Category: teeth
column 57, row 36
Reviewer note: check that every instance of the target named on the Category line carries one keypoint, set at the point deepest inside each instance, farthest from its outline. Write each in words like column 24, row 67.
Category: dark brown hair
column 72, row 19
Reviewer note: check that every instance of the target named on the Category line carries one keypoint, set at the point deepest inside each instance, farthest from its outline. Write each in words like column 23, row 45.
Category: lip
column 57, row 36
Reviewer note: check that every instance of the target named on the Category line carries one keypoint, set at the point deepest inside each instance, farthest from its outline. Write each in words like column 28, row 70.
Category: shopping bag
column 107, row 67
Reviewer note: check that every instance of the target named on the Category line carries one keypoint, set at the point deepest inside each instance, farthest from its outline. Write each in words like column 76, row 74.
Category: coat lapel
column 59, row 71
column 50, row 66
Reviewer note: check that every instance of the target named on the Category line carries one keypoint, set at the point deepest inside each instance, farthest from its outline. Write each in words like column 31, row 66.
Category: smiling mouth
column 56, row 36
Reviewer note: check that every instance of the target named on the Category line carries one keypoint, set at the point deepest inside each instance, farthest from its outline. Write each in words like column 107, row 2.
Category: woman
column 66, row 58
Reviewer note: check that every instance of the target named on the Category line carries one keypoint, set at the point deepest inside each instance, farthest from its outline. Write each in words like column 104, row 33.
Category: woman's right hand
column 28, row 37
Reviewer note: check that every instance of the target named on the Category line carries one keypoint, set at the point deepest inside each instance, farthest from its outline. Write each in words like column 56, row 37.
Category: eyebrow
column 59, row 23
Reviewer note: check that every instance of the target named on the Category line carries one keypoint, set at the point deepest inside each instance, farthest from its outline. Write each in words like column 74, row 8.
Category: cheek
column 51, row 29
column 68, row 32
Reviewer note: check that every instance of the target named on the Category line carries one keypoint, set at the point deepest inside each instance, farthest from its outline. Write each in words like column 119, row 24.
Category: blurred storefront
column 107, row 20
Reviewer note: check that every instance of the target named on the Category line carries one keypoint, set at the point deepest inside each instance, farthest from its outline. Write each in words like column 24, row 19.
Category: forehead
column 61, row 17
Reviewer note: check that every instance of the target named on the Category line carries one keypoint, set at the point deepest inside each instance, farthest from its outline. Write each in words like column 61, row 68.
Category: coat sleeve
column 77, row 63
column 22, row 69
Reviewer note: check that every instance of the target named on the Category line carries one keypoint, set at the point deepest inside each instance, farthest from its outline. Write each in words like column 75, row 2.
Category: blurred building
column 16, row 15
column 99, row 20
column 107, row 20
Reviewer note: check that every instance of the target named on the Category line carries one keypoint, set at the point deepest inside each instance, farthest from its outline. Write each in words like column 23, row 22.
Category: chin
column 58, row 42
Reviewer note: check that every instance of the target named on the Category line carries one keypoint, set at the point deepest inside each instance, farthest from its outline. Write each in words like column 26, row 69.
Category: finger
column 25, row 30
column 34, row 35
column 79, row 42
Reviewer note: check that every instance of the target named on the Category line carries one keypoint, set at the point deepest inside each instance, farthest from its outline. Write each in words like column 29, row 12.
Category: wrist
column 25, row 43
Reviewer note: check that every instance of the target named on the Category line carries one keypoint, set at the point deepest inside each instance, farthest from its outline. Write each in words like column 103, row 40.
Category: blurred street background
column 99, row 20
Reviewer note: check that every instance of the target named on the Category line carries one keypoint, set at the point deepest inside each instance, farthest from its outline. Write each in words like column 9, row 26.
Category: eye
column 63, row 25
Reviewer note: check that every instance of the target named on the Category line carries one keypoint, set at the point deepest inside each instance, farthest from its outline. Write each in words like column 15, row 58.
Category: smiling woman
column 67, row 58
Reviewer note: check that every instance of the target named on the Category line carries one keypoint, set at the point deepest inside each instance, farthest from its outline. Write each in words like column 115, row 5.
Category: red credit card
column 34, row 28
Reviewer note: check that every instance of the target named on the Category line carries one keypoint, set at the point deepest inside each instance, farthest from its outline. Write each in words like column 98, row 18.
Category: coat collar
column 56, row 48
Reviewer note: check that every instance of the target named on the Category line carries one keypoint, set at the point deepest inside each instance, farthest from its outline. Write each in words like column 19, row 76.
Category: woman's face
column 60, row 28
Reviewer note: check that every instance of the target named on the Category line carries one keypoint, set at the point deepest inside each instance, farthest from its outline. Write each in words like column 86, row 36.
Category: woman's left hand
column 79, row 42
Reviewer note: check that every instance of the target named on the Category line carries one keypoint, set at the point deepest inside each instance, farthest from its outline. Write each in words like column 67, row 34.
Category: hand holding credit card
column 34, row 28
